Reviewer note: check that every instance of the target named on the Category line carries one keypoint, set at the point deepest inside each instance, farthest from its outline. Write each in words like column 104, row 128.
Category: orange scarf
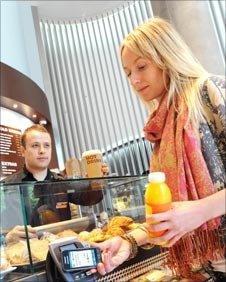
column 178, row 154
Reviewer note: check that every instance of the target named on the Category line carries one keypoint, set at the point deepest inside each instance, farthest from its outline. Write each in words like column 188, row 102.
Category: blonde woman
column 187, row 127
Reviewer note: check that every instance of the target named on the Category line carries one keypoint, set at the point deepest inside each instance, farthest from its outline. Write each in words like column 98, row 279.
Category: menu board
column 10, row 151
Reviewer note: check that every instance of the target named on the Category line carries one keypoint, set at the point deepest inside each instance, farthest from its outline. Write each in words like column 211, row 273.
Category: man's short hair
column 35, row 127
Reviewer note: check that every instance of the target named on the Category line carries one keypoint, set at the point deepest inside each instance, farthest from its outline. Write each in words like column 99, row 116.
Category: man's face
column 37, row 151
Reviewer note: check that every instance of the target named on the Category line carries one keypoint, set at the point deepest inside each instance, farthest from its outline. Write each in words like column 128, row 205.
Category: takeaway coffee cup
column 92, row 163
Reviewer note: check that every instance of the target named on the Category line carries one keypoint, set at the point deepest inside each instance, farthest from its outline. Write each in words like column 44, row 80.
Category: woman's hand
column 18, row 233
column 114, row 252
column 184, row 217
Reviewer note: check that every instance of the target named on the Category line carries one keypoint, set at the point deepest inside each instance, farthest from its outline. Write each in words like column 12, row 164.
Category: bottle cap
column 156, row 177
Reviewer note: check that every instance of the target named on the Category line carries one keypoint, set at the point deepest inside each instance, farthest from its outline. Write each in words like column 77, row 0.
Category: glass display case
column 76, row 207
column 90, row 210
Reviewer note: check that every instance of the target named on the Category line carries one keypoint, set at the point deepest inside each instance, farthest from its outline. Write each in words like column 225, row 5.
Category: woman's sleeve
column 215, row 105
column 213, row 132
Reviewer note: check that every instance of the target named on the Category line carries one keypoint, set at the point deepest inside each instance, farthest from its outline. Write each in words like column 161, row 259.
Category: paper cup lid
column 91, row 152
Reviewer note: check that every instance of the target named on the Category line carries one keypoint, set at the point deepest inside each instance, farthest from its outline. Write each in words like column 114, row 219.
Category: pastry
column 50, row 237
column 84, row 236
column 67, row 233
column 95, row 232
column 121, row 221
column 97, row 235
column 4, row 263
column 115, row 231
column 97, row 238
column 39, row 249
column 118, row 225
column 17, row 253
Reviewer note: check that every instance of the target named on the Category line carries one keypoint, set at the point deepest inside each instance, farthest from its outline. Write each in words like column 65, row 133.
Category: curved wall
column 18, row 40
column 95, row 107
column 18, row 88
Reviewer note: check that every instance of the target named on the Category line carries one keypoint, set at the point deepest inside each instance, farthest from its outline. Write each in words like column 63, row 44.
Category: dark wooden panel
column 30, row 98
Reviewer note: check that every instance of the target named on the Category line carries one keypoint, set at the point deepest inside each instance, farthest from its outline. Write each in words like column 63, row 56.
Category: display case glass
column 76, row 207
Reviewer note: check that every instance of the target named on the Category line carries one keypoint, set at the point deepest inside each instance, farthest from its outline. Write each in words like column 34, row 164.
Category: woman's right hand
column 18, row 233
column 114, row 252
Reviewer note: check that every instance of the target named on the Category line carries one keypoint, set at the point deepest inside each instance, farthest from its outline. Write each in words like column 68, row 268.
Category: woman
column 187, row 127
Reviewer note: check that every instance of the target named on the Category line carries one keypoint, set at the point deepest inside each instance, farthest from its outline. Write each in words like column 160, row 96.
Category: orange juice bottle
column 157, row 198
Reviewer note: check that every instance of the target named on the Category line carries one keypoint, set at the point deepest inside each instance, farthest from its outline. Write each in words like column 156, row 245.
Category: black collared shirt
column 25, row 175
column 57, row 203
column 48, row 208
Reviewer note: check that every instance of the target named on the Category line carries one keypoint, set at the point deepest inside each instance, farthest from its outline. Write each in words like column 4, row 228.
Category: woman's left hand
column 182, row 218
column 114, row 252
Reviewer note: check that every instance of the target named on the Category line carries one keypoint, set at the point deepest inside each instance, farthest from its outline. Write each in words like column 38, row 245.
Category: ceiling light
column 15, row 106
column 42, row 122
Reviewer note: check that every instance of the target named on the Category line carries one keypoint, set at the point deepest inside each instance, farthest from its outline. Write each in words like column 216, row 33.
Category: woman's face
column 144, row 76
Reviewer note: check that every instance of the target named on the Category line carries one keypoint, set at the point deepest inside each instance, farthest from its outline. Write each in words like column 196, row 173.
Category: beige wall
column 192, row 20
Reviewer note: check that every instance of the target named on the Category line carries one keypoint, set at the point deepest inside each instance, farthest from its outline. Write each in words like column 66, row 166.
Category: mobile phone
column 81, row 258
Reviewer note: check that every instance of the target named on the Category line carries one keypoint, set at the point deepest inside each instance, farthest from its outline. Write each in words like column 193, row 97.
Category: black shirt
column 49, row 208
column 25, row 175
column 53, row 200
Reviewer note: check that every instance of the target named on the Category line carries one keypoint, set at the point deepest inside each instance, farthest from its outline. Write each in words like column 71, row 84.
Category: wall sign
column 10, row 152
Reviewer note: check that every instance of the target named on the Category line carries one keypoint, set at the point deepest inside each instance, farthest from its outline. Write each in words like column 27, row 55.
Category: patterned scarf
column 177, row 153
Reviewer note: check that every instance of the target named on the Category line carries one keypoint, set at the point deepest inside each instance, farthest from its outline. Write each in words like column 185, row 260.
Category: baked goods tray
column 77, row 224
column 135, row 270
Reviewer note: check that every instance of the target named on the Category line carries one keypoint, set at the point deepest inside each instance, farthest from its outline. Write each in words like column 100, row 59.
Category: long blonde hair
column 159, row 41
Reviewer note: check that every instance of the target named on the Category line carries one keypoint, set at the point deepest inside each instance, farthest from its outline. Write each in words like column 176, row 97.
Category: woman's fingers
column 168, row 235
column 93, row 270
column 103, row 246
column 111, row 262
column 114, row 252
column 173, row 240
column 168, row 239
column 108, row 262
column 163, row 216
column 159, row 226
column 96, row 245
column 101, row 268
column 120, row 257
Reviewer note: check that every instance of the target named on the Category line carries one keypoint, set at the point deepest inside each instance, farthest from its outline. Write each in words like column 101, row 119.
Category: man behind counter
column 36, row 150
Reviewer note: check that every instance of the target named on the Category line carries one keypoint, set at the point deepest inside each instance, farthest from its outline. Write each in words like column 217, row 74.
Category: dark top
column 25, row 175
column 50, row 208
column 53, row 200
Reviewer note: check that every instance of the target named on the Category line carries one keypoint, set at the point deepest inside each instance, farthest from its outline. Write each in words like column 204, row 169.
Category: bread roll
column 39, row 249
column 4, row 263
column 17, row 253
column 67, row 233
